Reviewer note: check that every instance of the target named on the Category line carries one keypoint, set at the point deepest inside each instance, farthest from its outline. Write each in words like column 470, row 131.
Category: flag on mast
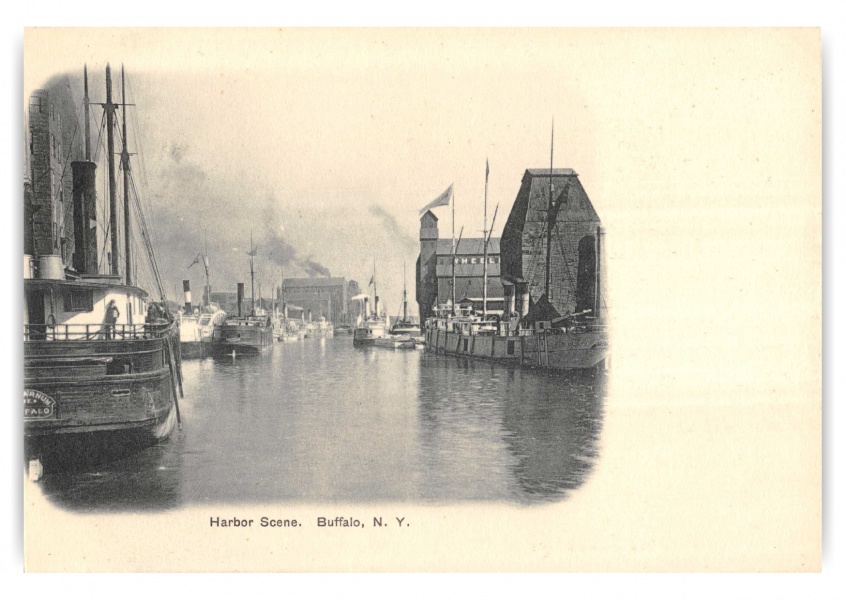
column 441, row 200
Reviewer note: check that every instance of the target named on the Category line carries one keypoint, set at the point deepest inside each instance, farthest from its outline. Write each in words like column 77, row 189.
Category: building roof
column 555, row 172
column 469, row 246
column 303, row 282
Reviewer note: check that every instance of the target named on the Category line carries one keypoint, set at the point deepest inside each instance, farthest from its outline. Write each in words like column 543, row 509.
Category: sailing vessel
column 538, row 335
column 101, row 360
column 244, row 333
column 370, row 327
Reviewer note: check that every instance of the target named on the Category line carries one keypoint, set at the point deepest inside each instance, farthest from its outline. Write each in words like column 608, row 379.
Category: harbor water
column 319, row 421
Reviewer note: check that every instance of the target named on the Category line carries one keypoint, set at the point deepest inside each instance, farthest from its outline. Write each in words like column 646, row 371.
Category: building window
column 79, row 300
column 510, row 349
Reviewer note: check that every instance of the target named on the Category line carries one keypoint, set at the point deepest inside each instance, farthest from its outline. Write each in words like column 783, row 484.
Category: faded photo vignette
column 422, row 300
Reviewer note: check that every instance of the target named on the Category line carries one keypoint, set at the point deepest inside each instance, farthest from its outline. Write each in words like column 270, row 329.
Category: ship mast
column 87, row 103
column 110, row 156
column 206, row 266
column 485, row 252
column 404, row 296
column 548, row 221
column 252, row 274
column 375, row 293
column 454, row 248
column 124, row 159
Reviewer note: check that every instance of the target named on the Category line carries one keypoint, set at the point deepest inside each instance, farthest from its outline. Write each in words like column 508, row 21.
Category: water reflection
column 318, row 421
column 499, row 432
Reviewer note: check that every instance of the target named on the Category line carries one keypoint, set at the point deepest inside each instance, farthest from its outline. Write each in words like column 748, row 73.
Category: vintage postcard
column 537, row 299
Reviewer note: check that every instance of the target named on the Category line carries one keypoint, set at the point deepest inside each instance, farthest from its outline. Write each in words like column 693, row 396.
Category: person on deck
column 109, row 321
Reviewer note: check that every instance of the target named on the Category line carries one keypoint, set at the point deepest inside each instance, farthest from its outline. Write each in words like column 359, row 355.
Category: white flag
column 441, row 200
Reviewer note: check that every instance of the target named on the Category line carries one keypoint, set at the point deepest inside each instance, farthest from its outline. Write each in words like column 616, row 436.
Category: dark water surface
column 318, row 421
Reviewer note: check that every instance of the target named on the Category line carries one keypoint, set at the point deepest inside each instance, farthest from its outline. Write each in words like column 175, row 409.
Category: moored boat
column 394, row 342
column 249, row 334
column 404, row 326
column 369, row 326
column 244, row 334
column 101, row 361
column 196, row 331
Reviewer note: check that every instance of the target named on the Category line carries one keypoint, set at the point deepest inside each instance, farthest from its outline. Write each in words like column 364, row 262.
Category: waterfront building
column 54, row 140
column 575, row 250
column 317, row 296
column 434, row 272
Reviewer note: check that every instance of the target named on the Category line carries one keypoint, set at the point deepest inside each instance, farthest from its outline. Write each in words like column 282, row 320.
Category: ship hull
column 242, row 340
column 79, row 410
column 559, row 351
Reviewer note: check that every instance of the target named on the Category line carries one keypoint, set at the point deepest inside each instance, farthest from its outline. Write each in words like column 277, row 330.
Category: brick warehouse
column 319, row 296
column 434, row 269
column 576, row 266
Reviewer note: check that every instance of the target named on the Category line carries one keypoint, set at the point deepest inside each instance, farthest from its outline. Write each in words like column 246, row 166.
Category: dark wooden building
column 576, row 281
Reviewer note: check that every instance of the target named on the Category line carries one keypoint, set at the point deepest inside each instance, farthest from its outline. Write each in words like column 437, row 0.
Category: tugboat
column 196, row 329
column 101, row 361
column 370, row 327
column 405, row 327
column 244, row 334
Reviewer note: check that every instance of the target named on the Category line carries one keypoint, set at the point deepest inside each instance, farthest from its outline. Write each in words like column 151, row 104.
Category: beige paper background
column 702, row 152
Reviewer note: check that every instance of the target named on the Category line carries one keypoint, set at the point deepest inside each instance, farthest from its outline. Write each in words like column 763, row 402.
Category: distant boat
column 244, row 334
column 405, row 326
column 196, row 331
column 370, row 326
column 101, row 361
column 395, row 342
column 250, row 334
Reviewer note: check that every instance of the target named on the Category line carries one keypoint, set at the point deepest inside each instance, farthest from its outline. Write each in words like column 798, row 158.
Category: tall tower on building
column 427, row 280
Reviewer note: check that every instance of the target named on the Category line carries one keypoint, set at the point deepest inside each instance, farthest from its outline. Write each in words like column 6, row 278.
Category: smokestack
column 366, row 302
column 376, row 306
column 240, row 299
column 186, row 287
column 309, row 315
column 85, row 217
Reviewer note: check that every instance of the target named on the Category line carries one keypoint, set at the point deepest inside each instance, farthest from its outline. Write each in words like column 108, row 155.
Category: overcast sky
column 326, row 143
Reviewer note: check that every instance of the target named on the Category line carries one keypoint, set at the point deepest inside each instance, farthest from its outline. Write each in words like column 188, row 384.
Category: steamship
column 196, row 328
column 370, row 326
column 241, row 333
column 101, row 361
